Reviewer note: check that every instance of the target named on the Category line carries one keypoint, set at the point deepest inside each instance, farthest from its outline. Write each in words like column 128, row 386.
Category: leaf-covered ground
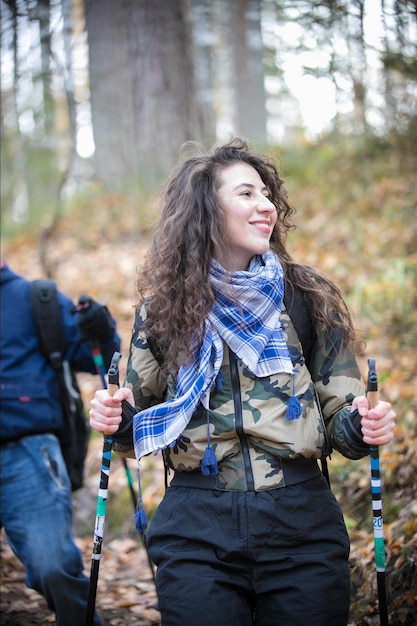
column 371, row 253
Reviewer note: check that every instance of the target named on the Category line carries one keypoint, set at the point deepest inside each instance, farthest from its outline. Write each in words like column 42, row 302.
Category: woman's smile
column 264, row 226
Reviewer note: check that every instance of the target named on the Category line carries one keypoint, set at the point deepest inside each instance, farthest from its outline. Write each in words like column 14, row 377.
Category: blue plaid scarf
column 249, row 322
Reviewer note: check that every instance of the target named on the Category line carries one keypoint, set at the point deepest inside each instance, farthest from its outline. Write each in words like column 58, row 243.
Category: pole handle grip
column 112, row 389
column 113, row 374
column 372, row 393
column 373, row 398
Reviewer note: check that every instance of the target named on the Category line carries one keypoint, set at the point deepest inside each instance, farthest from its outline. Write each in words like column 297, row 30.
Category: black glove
column 94, row 320
column 353, row 433
column 124, row 436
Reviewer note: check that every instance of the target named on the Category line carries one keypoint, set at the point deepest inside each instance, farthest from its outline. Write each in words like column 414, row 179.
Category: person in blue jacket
column 35, row 490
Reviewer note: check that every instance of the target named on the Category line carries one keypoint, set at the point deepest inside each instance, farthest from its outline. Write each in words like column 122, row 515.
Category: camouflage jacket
column 248, row 428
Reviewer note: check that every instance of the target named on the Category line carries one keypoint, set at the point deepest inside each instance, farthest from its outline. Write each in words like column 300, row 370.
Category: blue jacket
column 29, row 401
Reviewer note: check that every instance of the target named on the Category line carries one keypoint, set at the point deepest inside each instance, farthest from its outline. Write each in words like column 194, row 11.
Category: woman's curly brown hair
column 191, row 227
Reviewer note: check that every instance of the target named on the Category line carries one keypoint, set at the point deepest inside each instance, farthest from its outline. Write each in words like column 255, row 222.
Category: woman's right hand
column 106, row 410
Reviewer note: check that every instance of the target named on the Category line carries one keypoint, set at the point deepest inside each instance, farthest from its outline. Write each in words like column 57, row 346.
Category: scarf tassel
column 141, row 522
column 209, row 465
column 294, row 409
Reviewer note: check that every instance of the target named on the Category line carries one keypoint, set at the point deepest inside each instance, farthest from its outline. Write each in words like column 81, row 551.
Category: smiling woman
column 241, row 370
column 249, row 214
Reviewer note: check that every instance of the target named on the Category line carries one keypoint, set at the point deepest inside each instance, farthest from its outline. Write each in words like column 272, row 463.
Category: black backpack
column 48, row 323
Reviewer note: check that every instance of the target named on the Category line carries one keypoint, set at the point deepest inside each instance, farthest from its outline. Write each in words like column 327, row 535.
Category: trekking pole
column 372, row 395
column 99, row 363
column 113, row 385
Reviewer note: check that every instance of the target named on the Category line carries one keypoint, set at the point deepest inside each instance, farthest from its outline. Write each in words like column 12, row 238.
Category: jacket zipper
column 237, row 403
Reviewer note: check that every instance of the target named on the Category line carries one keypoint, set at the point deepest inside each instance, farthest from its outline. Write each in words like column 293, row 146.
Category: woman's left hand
column 378, row 423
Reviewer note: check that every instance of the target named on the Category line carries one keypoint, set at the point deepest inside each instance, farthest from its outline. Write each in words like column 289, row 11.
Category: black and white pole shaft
column 378, row 525
column 113, row 385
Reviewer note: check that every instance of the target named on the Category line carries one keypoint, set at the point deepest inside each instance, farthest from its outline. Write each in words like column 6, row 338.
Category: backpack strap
column 48, row 321
column 49, row 328
column 295, row 301
column 297, row 308
column 74, row 435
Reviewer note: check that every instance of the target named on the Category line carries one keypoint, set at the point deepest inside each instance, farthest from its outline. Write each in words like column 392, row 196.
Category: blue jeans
column 36, row 513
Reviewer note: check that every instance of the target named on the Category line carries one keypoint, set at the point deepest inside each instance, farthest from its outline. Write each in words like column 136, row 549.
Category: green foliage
column 389, row 298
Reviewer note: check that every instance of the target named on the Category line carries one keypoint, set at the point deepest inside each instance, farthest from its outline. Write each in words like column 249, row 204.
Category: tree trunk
column 357, row 65
column 247, row 73
column 142, row 89
column 48, row 113
column 201, row 20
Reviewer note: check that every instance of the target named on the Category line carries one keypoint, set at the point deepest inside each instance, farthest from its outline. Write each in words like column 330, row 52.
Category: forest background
column 97, row 99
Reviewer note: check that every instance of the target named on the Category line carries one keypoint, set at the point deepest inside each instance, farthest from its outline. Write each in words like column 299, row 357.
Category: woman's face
column 250, row 216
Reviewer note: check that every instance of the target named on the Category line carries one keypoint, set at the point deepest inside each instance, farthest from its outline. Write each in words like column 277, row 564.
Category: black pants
column 237, row 558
